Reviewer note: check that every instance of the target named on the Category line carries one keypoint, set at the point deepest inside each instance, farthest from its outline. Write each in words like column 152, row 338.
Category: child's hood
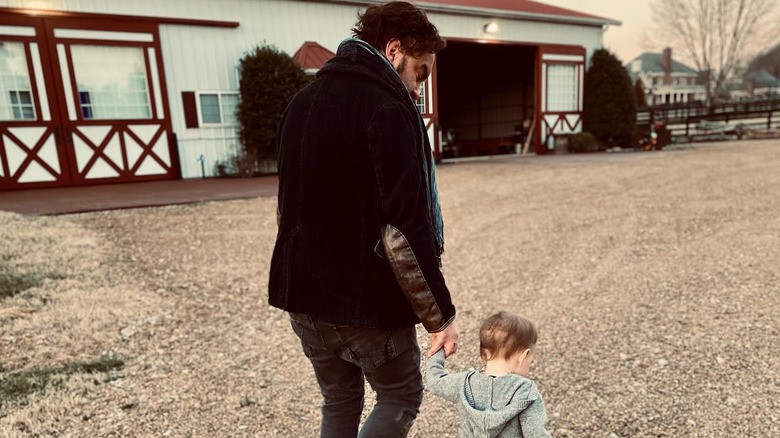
column 491, row 402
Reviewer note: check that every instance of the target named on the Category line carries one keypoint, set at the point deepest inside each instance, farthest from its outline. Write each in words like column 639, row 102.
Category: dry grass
column 652, row 276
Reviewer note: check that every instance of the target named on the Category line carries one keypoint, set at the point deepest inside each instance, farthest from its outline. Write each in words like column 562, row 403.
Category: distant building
column 666, row 81
column 756, row 85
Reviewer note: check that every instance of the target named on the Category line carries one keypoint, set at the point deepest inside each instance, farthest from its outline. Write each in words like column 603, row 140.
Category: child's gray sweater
column 506, row 406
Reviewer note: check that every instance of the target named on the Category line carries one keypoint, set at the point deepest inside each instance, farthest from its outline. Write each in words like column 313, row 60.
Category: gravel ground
column 653, row 279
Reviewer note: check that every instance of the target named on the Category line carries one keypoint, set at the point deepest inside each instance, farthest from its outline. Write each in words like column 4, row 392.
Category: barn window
column 217, row 108
column 421, row 101
column 16, row 101
column 111, row 82
column 561, row 88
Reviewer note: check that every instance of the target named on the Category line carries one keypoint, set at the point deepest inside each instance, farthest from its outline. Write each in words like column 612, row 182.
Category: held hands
column 447, row 339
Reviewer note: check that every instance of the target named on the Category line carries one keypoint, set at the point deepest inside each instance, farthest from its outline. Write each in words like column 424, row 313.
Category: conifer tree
column 610, row 105
column 269, row 80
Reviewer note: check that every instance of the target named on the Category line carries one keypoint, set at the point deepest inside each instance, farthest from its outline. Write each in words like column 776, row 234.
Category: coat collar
column 356, row 56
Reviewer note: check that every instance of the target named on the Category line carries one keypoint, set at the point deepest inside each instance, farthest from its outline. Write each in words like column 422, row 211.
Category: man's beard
column 401, row 67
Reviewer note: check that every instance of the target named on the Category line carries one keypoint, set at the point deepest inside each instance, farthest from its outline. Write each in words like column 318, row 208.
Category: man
column 356, row 261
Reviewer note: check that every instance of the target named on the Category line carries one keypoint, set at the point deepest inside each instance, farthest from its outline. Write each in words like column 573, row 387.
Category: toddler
column 500, row 401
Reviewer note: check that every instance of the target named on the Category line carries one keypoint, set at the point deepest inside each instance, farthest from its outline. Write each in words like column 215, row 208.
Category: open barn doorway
column 486, row 98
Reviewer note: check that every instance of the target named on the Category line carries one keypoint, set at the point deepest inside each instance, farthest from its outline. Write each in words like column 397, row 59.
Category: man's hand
column 447, row 338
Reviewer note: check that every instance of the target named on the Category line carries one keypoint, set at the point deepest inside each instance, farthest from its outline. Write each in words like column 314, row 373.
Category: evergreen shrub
column 610, row 104
column 269, row 80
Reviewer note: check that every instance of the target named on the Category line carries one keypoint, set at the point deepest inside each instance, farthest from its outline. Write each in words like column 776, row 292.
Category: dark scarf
column 391, row 76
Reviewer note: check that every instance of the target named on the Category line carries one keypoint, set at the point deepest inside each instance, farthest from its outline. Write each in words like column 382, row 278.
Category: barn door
column 82, row 101
column 30, row 135
column 110, row 91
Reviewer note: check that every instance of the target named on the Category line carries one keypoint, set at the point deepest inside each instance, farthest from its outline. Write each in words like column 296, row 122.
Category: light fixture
column 491, row 27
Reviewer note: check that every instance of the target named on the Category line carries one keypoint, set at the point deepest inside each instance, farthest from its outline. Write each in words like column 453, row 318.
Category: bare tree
column 714, row 34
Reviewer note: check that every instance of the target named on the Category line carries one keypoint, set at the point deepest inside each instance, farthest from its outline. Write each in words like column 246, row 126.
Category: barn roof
column 526, row 8
column 312, row 56
column 513, row 9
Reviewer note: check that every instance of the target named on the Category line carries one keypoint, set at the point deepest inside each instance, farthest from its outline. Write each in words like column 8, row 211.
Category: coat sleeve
column 533, row 419
column 438, row 381
column 406, row 231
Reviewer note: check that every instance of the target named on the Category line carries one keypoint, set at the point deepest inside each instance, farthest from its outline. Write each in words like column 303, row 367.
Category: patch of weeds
column 15, row 388
column 13, row 283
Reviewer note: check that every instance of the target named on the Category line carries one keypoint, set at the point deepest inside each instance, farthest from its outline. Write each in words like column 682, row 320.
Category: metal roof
column 312, row 56
column 525, row 9
column 653, row 63
column 512, row 9
column 762, row 79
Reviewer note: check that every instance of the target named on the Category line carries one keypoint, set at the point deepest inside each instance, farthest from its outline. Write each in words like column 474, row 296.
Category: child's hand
column 447, row 339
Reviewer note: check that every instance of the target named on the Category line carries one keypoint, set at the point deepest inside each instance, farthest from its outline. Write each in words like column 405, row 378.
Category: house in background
column 666, row 81
column 95, row 92
column 756, row 85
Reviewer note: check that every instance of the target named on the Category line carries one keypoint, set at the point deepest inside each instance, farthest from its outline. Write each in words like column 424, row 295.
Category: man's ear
column 392, row 48
column 525, row 354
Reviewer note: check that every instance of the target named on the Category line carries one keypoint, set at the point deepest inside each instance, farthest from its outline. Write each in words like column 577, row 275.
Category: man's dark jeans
column 342, row 356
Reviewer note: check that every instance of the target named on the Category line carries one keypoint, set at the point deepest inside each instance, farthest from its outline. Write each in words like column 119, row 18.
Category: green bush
column 584, row 142
column 610, row 103
column 269, row 80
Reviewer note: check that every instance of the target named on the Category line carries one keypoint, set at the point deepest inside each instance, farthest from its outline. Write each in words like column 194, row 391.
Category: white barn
column 101, row 91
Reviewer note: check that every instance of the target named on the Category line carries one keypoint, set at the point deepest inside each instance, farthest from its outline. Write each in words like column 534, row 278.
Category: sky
column 628, row 40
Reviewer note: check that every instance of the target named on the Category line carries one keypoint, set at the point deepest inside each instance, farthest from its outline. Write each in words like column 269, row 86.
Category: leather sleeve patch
column 411, row 279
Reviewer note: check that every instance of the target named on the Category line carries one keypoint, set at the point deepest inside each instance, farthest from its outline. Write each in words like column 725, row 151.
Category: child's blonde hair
column 507, row 334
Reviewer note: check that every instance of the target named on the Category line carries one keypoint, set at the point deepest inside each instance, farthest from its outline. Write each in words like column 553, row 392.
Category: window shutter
column 190, row 110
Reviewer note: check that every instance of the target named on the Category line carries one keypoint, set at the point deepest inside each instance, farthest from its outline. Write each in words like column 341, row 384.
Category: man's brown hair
column 402, row 21
column 507, row 334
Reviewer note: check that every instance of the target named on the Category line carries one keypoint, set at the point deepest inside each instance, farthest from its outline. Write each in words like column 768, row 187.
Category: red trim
column 17, row 38
column 89, row 42
column 173, row 151
column 4, row 162
column 47, row 13
column 560, row 49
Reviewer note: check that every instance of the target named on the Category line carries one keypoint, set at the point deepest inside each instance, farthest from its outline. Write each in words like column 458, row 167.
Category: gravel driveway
column 654, row 279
